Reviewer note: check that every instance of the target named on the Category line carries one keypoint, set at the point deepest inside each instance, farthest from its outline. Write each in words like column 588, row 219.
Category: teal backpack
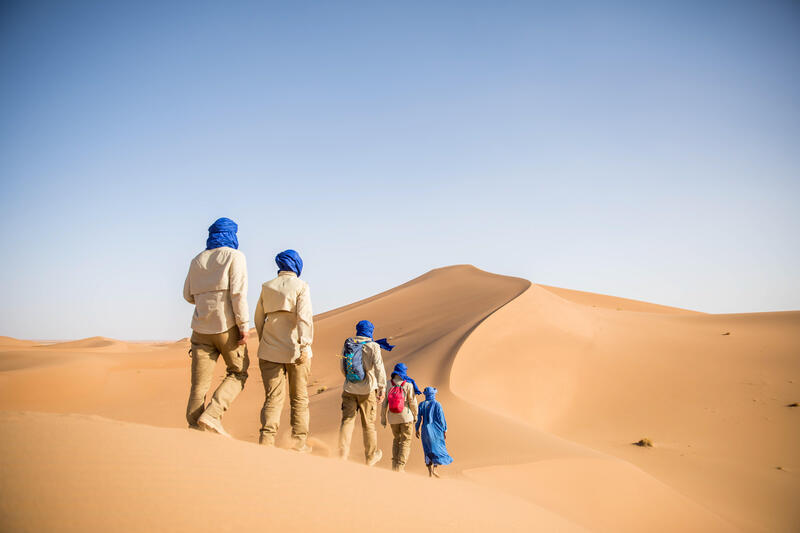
column 352, row 361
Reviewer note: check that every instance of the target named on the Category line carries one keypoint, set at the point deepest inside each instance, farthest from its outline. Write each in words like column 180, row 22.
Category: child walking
column 434, row 432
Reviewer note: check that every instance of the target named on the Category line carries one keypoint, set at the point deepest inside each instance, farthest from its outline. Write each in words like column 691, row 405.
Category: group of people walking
column 217, row 286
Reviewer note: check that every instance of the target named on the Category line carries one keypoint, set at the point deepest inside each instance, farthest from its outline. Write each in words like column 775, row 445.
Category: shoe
column 304, row 448
column 212, row 424
column 375, row 458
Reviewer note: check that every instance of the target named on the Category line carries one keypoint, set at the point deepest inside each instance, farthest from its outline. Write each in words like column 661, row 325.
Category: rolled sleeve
column 305, row 318
column 238, row 289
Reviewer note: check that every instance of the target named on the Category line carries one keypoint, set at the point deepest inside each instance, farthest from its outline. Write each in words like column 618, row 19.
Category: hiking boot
column 375, row 458
column 212, row 424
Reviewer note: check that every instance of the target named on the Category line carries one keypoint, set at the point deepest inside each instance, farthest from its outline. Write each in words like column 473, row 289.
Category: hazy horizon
column 647, row 152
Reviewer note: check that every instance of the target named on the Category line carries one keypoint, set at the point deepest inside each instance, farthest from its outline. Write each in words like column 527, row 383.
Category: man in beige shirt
column 363, row 396
column 217, row 286
column 284, row 322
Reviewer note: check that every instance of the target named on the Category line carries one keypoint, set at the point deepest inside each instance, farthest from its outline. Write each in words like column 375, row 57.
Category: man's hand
column 243, row 332
column 303, row 356
column 379, row 397
column 445, row 435
column 417, row 433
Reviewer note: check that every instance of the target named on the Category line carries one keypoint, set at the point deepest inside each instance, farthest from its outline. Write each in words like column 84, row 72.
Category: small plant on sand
column 322, row 389
column 644, row 443
column 793, row 404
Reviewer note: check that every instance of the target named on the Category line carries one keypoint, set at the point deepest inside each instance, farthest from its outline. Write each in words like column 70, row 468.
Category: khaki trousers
column 206, row 349
column 401, row 445
column 274, row 376
column 367, row 406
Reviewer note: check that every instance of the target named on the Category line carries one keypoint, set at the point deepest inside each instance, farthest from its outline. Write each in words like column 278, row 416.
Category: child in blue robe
column 433, row 432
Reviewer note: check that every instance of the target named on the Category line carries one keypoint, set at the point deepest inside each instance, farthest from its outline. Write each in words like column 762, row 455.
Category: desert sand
column 545, row 390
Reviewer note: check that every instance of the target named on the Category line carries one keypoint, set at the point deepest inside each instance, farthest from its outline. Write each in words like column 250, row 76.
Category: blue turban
column 222, row 233
column 430, row 393
column 365, row 328
column 401, row 371
column 289, row 261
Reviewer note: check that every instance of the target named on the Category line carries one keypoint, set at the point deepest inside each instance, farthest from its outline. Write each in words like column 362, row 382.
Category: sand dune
column 544, row 390
column 12, row 342
column 111, row 476
column 94, row 344
column 714, row 404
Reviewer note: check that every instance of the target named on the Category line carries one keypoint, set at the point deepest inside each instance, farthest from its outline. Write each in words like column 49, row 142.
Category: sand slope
column 544, row 389
column 715, row 404
column 112, row 476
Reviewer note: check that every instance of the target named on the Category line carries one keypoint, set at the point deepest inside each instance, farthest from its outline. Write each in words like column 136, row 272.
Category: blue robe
column 434, row 425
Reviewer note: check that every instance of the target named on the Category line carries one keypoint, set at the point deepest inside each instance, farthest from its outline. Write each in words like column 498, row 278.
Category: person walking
column 434, row 432
column 284, row 323
column 217, row 286
column 400, row 410
column 364, row 384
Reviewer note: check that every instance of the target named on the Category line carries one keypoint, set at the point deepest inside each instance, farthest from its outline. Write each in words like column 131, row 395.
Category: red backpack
column 397, row 398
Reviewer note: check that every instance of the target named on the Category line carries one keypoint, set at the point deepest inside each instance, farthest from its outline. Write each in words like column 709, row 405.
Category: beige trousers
column 401, row 445
column 366, row 406
column 275, row 375
column 206, row 349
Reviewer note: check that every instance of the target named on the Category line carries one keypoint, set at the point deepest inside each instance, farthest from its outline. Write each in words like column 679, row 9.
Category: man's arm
column 384, row 408
column 380, row 372
column 237, row 277
column 305, row 321
column 412, row 401
column 260, row 317
column 187, row 292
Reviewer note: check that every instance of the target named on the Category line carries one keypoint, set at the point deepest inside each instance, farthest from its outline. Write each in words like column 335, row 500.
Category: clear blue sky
column 641, row 151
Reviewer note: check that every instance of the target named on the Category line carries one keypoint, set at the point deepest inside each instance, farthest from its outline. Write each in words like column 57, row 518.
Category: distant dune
column 88, row 344
column 544, row 390
column 11, row 341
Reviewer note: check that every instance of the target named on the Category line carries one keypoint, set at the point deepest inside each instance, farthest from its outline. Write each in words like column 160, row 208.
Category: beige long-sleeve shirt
column 409, row 413
column 217, row 286
column 284, row 319
column 374, row 373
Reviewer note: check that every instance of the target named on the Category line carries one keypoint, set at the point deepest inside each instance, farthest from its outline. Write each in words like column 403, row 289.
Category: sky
column 647, row 150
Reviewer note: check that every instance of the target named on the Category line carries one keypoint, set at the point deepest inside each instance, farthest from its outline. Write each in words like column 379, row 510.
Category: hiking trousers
column 275, row 377
column 206, row 349
column 366, row 406
column 401, row 445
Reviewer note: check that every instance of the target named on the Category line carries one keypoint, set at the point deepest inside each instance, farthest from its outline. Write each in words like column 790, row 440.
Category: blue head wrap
column 222, row 233
column 289, row 261
column 365, row 328
column 401, row 371
column 430, row 393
